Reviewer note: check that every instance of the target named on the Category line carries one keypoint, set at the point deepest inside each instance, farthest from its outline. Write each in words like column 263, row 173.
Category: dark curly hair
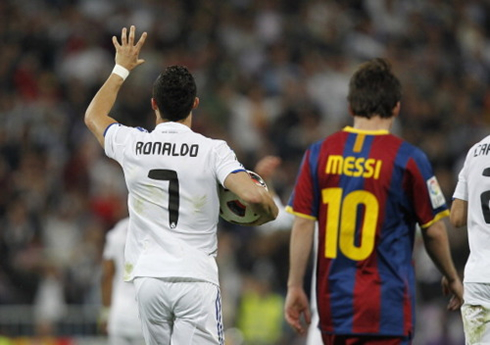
column 374, row 89
column 174, row 92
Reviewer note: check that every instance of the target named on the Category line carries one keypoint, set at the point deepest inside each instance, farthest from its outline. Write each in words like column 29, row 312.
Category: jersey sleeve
column 116, row 138
column 226, row 161
column 109, row 252
column 301, row 202
column 428, row 200
column 461, row 190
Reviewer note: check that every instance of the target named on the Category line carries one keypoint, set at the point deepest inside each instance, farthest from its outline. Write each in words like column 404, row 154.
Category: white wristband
column 120, row 71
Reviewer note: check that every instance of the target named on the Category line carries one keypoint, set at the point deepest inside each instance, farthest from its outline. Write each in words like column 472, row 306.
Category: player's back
column 372, row 187
column 172, row 176
column 476, row 173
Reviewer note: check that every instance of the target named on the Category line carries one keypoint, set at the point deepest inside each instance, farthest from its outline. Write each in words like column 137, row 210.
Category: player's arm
column 437, row 245
column 459, row 213
column 108, row 272
column 301, row 243
column 256, row 197
column 127, row 58
column 266, row 167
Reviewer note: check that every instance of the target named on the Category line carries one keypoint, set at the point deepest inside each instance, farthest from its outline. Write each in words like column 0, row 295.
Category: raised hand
column 127, row 53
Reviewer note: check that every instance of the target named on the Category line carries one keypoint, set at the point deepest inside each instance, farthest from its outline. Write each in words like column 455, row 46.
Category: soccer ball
column 233, row 209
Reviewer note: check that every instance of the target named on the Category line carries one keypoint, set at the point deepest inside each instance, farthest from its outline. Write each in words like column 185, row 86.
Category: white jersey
column 172, row 176
column 474, row 187
column 123, row 318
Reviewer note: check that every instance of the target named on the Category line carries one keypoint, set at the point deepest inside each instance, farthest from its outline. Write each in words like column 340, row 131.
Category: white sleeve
column 225, row 161
column 461, row 190
column 109, row 247
column 116, row 137
column 284, row 220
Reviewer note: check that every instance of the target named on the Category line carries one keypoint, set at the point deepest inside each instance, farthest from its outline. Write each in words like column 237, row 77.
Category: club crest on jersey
column 436, row 197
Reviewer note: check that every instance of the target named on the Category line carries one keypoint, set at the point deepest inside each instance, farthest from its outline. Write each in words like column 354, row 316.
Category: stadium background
column 272, row 77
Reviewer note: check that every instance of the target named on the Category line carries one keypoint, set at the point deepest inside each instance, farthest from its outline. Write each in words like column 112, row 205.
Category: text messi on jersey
column 353, row 166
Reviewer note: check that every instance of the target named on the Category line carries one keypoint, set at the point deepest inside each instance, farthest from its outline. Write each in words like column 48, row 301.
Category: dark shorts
column 333, row 339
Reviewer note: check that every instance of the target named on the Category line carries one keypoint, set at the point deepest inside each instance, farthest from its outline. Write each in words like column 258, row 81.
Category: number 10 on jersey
column 342, row 213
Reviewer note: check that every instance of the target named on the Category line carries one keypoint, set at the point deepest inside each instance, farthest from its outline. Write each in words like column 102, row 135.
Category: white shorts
column 178, row 312
column 476, row 313
column 314, row 335
column 124, row 340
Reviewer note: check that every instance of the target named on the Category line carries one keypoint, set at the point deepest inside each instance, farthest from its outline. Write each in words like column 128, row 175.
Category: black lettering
column 184, row 150
column 157, row 148
column 482, row 149
column 147, row 148
column 194, row 150
column 139, row 145
column 167, row 147
column 174, row 146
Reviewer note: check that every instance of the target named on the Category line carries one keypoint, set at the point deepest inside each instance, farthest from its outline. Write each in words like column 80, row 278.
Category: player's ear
column 349, row 108
column 196, row 103
column 396, row 109
column 154, row 105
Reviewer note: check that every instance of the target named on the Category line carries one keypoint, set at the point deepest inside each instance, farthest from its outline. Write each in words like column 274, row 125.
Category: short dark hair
column 174, row 92
column 374, row 89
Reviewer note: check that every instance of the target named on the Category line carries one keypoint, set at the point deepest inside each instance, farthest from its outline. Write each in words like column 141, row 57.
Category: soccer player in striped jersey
column 172, row 175
column 367, row 189
column 470, row 207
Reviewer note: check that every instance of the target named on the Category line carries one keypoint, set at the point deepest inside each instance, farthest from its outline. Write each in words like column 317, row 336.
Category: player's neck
column 375, row 123
column 187, row 121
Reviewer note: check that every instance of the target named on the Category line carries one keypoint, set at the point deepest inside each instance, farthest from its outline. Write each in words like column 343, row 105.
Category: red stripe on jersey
column 331, row 146
column 304, row 188
column 407, row 311
column 415, row 181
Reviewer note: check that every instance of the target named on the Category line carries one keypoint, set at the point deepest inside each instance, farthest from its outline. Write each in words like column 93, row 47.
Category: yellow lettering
column 342, row 223
column 333, row 198
column 368, row 228
column 352, row 166
column 359, row 167
column 368, row 168
column 334, row 165
column 377, row 169
column 349, row 165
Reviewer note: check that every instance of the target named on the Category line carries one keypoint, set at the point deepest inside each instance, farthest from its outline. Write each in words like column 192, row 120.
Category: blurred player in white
column 118, row 296
column 266, row 168
column 172, row 175
column 471, row 207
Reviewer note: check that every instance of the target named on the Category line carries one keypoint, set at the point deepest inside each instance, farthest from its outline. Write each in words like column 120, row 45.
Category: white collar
column 171, row 126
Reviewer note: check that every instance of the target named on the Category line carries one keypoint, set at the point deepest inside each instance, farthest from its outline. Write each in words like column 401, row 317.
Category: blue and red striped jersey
column 367, row 190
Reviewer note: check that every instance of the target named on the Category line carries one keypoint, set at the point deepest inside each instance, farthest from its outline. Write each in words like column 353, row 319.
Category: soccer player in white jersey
column 118, row 296
column 471, row 207
column 172, row 175
column 266, row 168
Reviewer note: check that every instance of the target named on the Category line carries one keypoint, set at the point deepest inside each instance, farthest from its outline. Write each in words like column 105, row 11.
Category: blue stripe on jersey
column 313, row 163
column 395, row 255
column 342, row 297
column 114, row 123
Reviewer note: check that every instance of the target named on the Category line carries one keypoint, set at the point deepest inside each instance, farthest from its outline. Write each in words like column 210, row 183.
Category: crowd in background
column 272, row 78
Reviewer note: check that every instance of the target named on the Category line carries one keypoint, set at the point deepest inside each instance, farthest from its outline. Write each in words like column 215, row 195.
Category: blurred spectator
column 273, row 76
column 260, row 311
